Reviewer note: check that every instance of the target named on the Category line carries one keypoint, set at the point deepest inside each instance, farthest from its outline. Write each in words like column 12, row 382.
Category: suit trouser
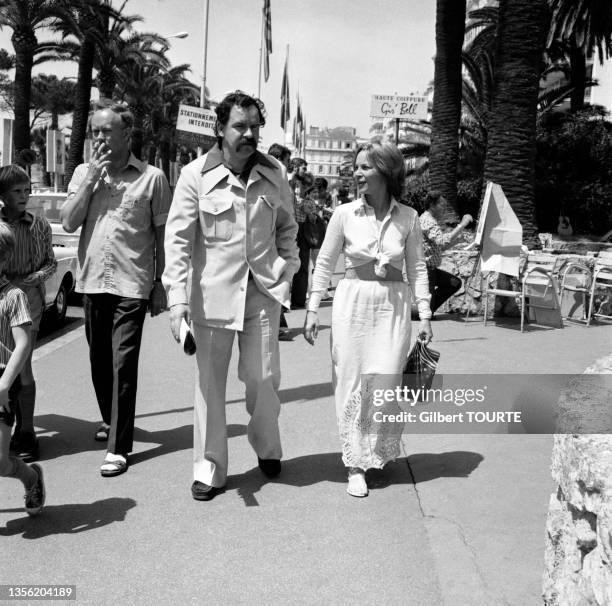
column 113, row 327
column 299, row 287
column 258, row 368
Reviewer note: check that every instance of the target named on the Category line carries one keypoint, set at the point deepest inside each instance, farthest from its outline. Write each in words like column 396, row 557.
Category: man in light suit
column 232, row 219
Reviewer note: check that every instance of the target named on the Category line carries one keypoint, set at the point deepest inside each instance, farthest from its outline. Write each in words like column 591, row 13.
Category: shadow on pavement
column 454, row 464
column 173, row 440
column 304, row 392
column 328, row 467
column 71, row 436
column 70, row 518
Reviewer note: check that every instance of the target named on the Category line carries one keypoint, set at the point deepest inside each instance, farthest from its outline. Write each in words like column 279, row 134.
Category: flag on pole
column 267, row 38
column 285, row 108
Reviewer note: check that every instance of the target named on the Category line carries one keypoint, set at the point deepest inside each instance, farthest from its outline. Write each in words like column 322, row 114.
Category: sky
column 341, row 52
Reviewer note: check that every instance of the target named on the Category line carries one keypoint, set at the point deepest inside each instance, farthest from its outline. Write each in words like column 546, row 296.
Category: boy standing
column 14, row 350
column 31, row 263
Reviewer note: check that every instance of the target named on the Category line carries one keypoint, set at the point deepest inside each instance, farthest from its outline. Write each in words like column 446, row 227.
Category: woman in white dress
column 370, row 334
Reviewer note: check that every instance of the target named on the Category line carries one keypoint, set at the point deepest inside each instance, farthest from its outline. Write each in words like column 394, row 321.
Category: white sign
column 7, row 141
column 196, row 120
column 500, row 233
column 56, row 152
column 394, row 106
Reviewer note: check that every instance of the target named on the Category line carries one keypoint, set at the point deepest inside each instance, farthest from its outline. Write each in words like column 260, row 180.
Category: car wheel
column 60, row 305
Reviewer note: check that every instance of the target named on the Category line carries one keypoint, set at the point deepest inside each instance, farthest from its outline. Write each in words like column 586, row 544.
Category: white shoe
column 357, row 486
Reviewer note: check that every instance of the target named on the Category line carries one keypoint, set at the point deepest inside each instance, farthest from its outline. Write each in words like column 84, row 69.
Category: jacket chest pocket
column 267, row 209
column 217, row 216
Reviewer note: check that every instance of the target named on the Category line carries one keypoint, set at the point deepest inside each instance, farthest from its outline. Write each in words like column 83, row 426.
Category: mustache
column 247, row 141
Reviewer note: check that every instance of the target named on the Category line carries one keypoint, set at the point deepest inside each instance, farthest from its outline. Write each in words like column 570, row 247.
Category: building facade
column 327, row 149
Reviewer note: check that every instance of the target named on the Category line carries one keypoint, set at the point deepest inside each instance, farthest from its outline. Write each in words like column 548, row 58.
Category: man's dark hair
column 279, row 151
column 321, row 182
column 296, row 163
column 432, row 198
column 239, row 99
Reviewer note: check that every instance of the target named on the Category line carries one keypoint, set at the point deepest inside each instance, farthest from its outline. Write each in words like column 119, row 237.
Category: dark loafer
column 204, row 492
column 270, row 467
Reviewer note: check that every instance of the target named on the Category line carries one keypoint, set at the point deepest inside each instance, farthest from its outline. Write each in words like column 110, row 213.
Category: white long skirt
column 370, row 338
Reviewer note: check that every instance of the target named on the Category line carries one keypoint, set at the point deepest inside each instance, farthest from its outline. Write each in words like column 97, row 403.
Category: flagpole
column 261, row 45
column 204, row 55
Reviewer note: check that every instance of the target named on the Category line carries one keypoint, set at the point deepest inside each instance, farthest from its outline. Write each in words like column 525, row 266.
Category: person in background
column 283, row 155
column 14, row 351
column 232, row 221
column 301, row 181
column 121, row 203
column 325, row 209
column 343, row 196
column 30, row 265
column 442, row 285
column 370, row 333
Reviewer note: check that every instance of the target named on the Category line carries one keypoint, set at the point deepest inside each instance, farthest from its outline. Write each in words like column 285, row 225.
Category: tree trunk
column 80, row 115
column 165, row 154
column 578, row 75
column 24, row 44
column 137, row 133
column 444, row 154
column 510, row 155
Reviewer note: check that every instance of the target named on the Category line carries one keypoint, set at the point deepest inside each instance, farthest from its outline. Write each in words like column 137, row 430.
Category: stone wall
column 461, row 263
column 578, row 557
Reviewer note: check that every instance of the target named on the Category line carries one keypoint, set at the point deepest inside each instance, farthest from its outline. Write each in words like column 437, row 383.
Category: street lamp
column 204, row 53
column 177, row 35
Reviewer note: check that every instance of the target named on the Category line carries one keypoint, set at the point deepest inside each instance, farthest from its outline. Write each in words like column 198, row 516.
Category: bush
column 574, row 171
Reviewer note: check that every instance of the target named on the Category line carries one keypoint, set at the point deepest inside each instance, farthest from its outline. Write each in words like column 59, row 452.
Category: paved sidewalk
column 459, row 521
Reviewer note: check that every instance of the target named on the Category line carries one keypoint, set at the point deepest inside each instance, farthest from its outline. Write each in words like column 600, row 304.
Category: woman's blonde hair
column 388, row 161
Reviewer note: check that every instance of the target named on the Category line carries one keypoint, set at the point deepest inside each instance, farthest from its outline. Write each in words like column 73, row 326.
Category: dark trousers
column 299, row 287
column 113, row 327
column 442, row 286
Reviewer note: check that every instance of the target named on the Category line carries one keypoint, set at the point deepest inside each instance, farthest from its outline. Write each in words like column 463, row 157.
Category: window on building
column 347, row 145
column 320, row 168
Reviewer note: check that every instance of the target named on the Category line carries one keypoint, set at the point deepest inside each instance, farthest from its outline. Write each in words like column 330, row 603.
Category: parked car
column 61, row 284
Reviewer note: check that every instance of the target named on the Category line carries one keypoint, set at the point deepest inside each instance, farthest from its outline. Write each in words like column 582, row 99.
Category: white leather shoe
column 357, row 486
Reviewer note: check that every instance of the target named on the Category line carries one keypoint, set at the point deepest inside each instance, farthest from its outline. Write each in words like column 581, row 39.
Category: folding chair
column 576, row 277
column 536, row 280
column 602, row 278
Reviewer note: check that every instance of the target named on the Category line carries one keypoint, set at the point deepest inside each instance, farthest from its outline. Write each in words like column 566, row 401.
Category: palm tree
column 579, row 28
column 25, row 18
column 141, row 84
column 176, row 90
column 450, row 27
column 92, row 23
column 510, row 155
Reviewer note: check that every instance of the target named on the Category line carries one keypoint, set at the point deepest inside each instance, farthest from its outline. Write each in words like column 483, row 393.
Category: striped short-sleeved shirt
column 33, row 258
column 13, row 312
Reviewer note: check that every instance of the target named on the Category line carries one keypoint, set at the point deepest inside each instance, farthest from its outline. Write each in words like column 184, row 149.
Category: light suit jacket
column 226, row 230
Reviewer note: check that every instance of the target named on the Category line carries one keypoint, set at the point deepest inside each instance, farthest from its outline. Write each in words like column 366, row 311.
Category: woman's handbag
column 420, row 368
column 314, row 232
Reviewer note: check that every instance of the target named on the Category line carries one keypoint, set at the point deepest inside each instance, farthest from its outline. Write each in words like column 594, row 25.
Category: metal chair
column 602, row 278
column 576, row 277
column 536, row 280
